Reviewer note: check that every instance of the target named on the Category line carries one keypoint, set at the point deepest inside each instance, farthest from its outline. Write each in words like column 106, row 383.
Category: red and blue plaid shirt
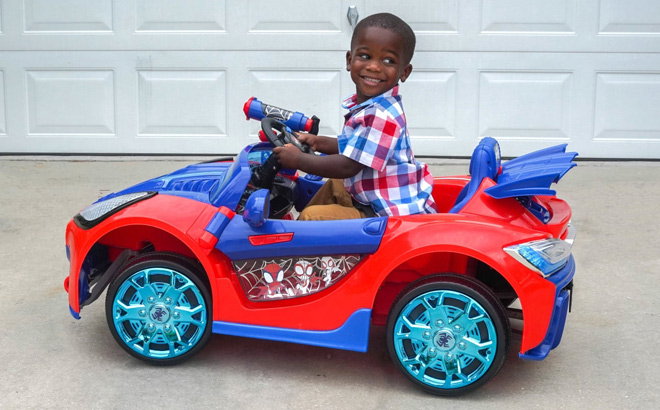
column 376, row 136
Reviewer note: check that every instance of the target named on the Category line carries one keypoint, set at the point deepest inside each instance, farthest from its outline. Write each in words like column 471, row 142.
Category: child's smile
column 376, row 62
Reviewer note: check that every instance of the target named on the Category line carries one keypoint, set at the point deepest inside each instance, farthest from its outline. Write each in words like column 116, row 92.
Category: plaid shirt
column 376, row 136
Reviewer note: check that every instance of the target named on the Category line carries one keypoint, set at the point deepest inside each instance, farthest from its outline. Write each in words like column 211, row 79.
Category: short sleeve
column 373, row 136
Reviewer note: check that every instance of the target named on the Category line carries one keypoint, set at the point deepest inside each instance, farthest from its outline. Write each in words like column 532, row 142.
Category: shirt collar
column 351, row 104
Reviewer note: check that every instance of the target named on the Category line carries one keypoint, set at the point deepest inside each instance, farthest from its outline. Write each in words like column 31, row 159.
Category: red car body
column 470, row 242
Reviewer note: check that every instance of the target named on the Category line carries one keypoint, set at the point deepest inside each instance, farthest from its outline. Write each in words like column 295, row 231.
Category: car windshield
column 225, row 179
column 251, row 156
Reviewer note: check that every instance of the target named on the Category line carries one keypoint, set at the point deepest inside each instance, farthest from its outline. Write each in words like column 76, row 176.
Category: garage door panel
column 171, row 16
column 68, row 16
column 530, row 105
column 182, row 102
column 70, row 102
column 429, row 99
column 294, row 15
column 528, row 16
column 426, row 17
column 629, row 17
column 626, row 106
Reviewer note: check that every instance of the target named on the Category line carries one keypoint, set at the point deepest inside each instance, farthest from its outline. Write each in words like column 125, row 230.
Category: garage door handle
column 352, row 15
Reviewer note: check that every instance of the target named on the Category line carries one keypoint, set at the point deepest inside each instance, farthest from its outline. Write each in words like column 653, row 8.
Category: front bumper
column 563, row 281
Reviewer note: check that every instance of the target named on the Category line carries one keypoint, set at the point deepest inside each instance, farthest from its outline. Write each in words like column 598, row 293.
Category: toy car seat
column 485, row 163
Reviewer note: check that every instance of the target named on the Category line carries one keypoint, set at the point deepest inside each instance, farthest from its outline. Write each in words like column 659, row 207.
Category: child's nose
column 374, row 65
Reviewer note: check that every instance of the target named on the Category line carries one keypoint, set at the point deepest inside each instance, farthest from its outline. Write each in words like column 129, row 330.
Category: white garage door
column 171, row 76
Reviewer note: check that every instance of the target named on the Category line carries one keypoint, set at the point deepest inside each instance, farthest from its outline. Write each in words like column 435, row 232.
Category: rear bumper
column 563, row 281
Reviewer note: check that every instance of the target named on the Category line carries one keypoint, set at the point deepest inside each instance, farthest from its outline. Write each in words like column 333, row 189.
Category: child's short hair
column 393, row 23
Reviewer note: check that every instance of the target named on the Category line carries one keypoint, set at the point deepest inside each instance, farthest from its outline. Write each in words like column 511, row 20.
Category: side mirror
column 257, row 208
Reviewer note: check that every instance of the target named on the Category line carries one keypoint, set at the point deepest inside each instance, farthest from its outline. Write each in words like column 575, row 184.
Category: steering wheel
column 264, row 175
column 284, row 137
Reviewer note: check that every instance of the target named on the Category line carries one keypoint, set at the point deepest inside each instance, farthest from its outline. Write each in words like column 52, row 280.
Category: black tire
column 159, row 308
column 432, row 333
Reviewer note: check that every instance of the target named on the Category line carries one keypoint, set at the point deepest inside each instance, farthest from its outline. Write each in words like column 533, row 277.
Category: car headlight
column 98, row 211
column 546, row 256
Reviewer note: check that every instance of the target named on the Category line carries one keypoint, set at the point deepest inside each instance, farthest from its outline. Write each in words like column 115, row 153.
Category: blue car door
column 284, row 259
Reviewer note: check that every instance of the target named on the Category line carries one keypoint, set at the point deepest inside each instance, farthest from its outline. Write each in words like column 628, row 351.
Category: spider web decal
column 286, row 278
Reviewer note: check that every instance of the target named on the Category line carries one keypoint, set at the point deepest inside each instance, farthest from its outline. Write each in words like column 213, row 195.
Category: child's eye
column 364, row 56
column 389, row 61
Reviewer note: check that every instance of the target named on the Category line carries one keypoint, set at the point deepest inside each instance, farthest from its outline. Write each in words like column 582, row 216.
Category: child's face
column 376, row 62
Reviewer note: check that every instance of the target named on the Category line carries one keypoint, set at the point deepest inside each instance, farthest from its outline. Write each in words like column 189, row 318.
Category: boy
column 373, row 154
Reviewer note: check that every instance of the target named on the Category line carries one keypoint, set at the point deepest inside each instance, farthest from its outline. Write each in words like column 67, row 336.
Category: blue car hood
column 194, row 182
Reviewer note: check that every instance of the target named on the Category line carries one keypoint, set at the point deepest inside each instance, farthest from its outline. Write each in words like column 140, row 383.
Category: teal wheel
column 158, row 308
column 448, row 334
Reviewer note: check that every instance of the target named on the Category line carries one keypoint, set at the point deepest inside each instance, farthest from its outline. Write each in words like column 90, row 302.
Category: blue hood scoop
column 193, row 182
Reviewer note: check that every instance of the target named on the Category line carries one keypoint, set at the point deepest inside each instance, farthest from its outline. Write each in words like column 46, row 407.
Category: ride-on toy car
column 213, row 248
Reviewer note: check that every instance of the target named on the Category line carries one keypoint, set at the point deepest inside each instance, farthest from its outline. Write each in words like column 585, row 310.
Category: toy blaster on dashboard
column 296, row 121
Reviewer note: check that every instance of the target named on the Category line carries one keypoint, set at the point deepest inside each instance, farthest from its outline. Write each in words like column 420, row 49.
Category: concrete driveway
column 608, row 359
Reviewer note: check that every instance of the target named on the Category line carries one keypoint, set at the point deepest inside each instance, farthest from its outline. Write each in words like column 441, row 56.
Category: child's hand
column 288, row 156
column 309, row 139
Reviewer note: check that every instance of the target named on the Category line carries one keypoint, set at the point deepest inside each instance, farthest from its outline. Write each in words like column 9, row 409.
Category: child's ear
column 406, row 73
column 348, row 61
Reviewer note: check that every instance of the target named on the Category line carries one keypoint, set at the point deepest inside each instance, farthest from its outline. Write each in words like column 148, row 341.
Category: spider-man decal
column 284, row 278
column 273, row 288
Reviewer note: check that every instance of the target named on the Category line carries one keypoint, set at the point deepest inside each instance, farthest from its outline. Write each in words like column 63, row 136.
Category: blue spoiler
column 533, row 173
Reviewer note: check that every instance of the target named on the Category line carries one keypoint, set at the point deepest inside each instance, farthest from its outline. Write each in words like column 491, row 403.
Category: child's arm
column 328, row 166
column 319, row 143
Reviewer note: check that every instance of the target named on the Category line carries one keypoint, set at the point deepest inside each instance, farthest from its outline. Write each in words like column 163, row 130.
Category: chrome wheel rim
column 445, row 339
column 159, row 313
